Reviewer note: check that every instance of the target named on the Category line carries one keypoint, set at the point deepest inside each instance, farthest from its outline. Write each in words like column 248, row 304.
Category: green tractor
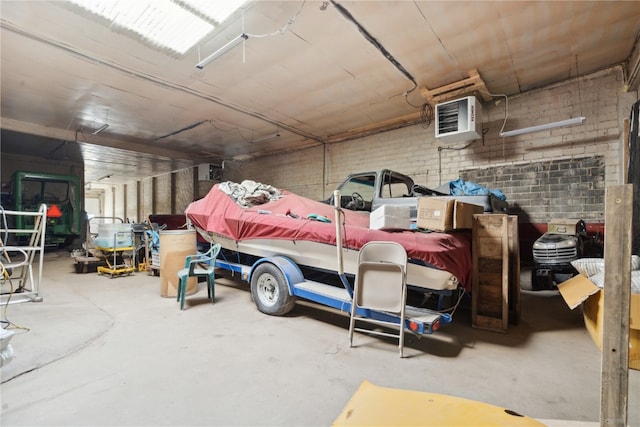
column 61, row 194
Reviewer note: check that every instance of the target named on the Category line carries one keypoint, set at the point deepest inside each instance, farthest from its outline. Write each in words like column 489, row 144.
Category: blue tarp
column 461, row 188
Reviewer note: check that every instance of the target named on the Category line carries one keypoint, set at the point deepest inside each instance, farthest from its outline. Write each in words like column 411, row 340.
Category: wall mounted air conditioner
column 459, row 120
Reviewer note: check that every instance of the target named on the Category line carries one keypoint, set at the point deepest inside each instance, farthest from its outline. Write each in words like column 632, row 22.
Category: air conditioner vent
column 459, row 120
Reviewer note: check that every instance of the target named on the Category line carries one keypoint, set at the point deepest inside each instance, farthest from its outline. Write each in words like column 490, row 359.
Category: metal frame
column 381, row 285
column 111, row 255
column 28, row 286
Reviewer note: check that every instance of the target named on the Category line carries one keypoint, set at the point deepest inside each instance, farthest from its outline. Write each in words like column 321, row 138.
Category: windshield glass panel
column 361, row 184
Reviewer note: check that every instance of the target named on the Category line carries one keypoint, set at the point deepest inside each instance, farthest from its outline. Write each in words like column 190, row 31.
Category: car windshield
column 361, row 184
column 395, row 185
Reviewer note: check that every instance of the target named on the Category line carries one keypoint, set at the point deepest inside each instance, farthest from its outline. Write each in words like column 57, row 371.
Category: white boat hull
column 324, row 256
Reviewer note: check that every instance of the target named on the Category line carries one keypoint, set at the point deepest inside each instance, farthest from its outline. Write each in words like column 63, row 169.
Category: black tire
column 541, row 283
column 269, row 290
column 536, row 282
column 530, row 285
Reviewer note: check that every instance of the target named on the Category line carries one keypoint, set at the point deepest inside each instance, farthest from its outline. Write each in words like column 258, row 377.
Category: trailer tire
column 269, row 290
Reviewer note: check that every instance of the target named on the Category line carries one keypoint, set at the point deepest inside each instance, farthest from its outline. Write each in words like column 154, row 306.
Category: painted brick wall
column 299, row 171
column 183, row 192
column 555, row 189
column 162, row 194
column 132, row 202
column 147, row 198
column 119, row 201
column 415, row 151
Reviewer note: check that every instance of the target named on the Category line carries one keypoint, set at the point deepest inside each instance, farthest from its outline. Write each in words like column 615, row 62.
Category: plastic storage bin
column 114, row 236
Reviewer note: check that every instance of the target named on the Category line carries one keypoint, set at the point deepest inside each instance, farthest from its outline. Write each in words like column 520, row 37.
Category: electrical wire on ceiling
column 221, row 130
column 367, row 35
column 282, row 30
column 210, row 121
column 241, row 38
column 181, row 130
column 506, row 106
column 233, row 129
column 426, row 109
column 426, row 112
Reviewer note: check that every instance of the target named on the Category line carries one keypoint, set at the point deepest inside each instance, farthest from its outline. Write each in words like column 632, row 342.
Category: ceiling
column 323, row 72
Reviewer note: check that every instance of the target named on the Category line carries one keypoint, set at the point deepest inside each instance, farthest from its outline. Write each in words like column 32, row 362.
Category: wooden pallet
column 472, row 84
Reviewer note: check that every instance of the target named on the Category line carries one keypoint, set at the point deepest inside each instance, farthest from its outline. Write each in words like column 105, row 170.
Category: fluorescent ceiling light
column 100, row 129
column 268, row 138
column 171, row 24
column 547, row 126
column 224, row 49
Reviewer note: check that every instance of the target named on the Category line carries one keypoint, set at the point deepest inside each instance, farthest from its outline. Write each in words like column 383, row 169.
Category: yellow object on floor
column 372, row 405
column 580, row 290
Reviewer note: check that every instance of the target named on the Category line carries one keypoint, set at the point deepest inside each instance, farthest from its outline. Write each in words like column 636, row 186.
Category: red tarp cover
column 219, row 213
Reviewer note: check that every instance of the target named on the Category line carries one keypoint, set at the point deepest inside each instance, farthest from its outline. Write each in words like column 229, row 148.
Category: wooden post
column 614, row 387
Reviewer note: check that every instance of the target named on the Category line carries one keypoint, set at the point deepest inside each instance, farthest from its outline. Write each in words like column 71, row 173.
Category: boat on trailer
column 285, row 255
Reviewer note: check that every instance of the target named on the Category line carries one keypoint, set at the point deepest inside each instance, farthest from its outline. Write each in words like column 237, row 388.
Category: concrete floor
column 103, row 351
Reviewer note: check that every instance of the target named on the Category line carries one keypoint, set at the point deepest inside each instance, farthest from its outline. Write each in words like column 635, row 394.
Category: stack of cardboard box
column 445, row 214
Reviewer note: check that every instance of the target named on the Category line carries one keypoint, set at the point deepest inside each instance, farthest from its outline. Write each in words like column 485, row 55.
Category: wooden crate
column 495, row 292
column 514, row 269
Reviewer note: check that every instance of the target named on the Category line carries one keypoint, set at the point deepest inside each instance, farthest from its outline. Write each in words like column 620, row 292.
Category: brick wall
column 183, row 192
column 592, row 151
column 555, row 189
column 300, row 172
column 162, row 194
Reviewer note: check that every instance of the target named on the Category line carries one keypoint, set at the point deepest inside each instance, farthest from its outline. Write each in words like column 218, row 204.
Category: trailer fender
column 272, row 280
column 290, row 270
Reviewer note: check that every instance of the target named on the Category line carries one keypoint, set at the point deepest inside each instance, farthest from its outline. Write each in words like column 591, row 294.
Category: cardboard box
column 390, row 217
column 435, row 213
column 579, row 290
column 563, row 226
column 445, row 213
column 463, row 214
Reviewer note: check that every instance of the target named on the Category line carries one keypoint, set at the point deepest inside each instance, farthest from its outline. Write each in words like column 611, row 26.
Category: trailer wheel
column 269, row 290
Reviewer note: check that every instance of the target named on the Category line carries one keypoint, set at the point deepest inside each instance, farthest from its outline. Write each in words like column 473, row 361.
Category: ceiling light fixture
column 100, row 129
column 224, row 49
column 547, row 126
column 268, row 138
